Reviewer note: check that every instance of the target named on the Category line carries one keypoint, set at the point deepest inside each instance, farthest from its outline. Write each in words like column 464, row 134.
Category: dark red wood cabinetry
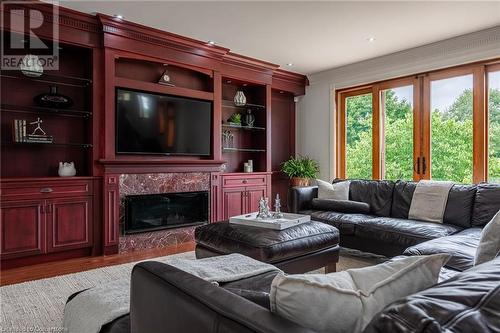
column 22, row 228
column 241, row 192
column 43, row 216
column 69, row 223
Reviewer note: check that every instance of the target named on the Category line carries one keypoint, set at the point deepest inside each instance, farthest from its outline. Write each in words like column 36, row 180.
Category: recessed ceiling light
column 371, row 39
column 118, row 16
column 211, row 42
column 289, row 64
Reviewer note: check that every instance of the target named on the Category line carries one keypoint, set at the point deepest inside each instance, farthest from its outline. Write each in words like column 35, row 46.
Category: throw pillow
column 347, row 301
column 489, row 245
column 341, row 206
column 337, row 191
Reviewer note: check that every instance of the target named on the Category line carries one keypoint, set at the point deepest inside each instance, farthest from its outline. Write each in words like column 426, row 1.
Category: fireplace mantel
column 152, row 165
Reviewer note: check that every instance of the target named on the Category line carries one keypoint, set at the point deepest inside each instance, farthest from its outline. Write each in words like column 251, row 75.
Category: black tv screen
column 149, row 123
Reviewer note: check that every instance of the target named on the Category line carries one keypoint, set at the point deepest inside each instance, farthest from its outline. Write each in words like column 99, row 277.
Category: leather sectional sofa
column 166, row 299
column 387, row 231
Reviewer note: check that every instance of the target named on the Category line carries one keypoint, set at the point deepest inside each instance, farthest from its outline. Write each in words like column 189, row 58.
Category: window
column 451, row 129
column 441, row 125
column 397, row 113
column 494, row 126
column 359, row 136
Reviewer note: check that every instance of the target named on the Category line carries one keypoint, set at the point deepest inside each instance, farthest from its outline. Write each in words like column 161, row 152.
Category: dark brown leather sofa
column 165, row 299
column 386, row 229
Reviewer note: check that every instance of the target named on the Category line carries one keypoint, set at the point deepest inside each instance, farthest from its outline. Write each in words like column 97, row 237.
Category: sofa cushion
column 376, row 193
column 458, row 209
column 347, row 301
column 468, row 302
column 489, row 244
column 402, row 231
column 344, row 222
column 486, row 205
column 401, row 200
column 341, row 206
column 267, row 245
column 338, row 191
column 462, row 246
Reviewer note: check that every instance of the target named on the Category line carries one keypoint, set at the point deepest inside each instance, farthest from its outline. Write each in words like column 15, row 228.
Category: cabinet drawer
column 46, row 189
column 250, row 180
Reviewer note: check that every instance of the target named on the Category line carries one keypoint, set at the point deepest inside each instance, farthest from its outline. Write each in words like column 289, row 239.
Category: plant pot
column 298, row 181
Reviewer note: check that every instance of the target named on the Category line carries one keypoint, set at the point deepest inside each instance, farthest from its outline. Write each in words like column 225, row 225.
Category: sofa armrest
column 166, row 299
column 300, row 198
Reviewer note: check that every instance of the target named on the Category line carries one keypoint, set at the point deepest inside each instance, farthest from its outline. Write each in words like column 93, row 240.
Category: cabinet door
column 234, row 202
column 69, row 223
column 22, row 228
column 253, row 196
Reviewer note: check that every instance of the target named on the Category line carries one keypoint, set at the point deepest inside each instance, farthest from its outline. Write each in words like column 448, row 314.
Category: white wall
column 315, row 110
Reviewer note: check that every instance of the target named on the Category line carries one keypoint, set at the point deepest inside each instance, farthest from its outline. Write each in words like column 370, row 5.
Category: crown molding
column 112, row 25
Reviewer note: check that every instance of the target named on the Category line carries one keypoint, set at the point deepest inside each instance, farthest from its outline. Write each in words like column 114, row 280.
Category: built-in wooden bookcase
column 71, row 128
column 247, row 142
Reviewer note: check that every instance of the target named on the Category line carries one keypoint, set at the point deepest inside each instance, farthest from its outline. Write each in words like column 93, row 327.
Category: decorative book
column 288, row 220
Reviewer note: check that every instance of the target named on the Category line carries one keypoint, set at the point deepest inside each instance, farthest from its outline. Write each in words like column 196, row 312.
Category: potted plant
column 300, row 170
column 235, row 119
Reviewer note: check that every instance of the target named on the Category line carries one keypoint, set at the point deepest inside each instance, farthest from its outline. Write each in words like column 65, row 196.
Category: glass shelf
column 47, row 144
column 230, row 104
column 247, row 150
column 52, row 111
column 248, row 128
column 64, row 80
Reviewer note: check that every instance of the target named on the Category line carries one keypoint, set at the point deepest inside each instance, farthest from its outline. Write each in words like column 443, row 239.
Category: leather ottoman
column 299, row 249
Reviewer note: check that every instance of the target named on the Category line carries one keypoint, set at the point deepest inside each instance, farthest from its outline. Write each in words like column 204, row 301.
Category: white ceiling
column 314, row 36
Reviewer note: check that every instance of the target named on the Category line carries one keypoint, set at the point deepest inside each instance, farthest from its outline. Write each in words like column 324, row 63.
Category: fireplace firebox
column 167, row 210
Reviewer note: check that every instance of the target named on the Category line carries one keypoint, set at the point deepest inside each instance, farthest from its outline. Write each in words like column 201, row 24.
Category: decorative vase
column 249, row 118
column 240, row 99
column 53, row 99
column 299, row 181
column 66, row 169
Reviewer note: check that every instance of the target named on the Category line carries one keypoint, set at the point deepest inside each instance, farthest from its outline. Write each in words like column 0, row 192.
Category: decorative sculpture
column 277, row 208
column 264, row 211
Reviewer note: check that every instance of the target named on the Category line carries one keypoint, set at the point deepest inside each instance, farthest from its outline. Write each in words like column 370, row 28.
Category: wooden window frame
column 421, row 113
column 340, row 169
column 488, row 69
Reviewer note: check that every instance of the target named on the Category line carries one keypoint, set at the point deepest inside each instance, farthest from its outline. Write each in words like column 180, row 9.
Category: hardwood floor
column 40, row 271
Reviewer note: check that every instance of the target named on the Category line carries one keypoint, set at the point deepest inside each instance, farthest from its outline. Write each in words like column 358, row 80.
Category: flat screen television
column 148, row 123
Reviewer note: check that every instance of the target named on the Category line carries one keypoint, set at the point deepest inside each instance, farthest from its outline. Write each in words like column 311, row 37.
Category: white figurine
column 38, row 127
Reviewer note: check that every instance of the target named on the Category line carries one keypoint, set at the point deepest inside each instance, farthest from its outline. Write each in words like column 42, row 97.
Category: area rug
column 37, row 306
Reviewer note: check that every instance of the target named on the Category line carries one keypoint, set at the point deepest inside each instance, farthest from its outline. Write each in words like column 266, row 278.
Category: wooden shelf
column 230, row 104
column 53, row 144
column 49, row 111
column 248, row 128
column 64, row 80
column 246, row 150
column 163, row 89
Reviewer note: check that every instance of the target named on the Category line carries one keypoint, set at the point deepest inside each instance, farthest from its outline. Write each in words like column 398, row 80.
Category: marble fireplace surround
column 155, row 183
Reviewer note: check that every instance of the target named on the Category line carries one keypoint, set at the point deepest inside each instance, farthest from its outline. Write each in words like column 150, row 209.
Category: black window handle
column 424, row 165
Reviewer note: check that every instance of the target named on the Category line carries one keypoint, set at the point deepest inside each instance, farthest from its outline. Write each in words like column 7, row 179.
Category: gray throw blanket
column 88, row 311
column 429, row 200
